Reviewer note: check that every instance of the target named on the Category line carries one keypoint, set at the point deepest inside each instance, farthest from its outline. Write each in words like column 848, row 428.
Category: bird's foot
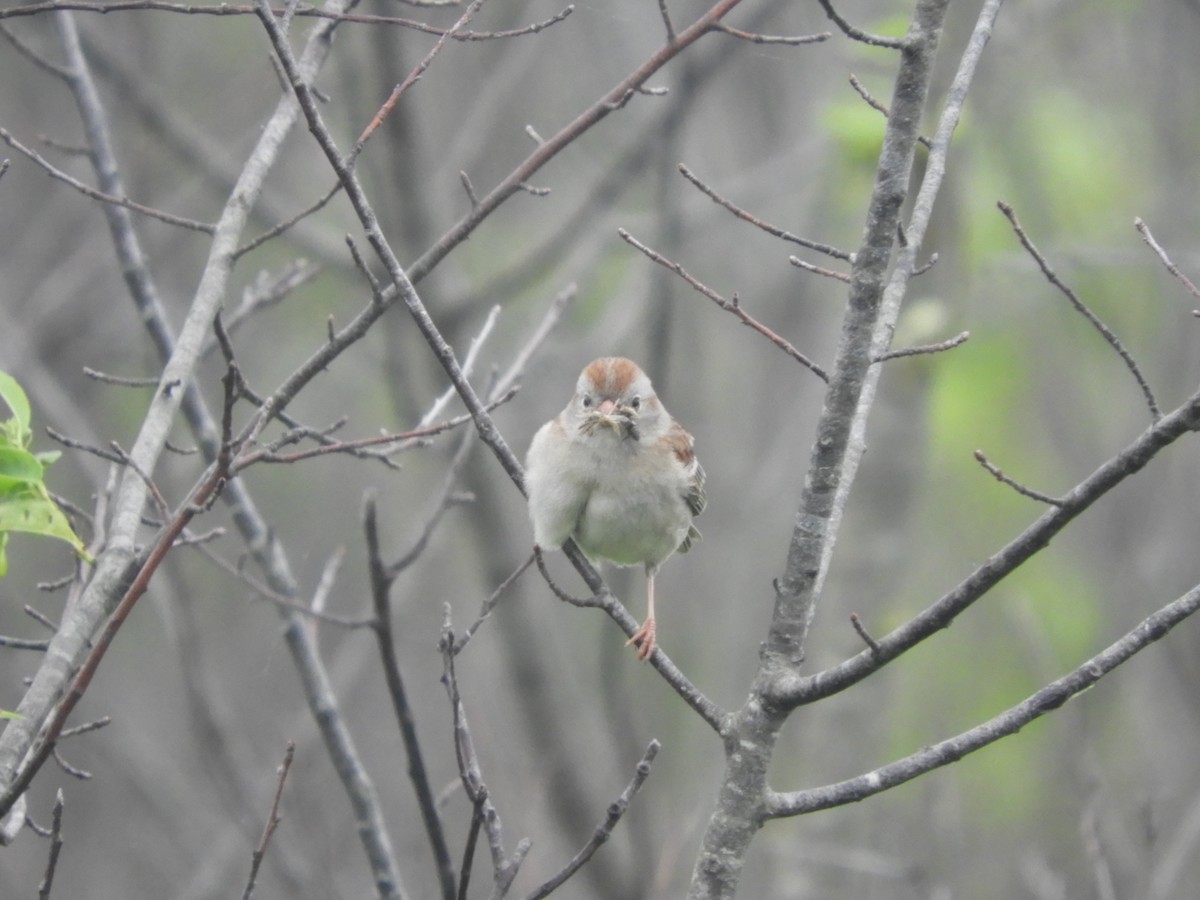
column 643, row 639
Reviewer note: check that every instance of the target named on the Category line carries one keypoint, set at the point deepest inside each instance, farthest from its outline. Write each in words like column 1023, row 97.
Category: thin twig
column 880, row 106
column 273, row 819
column 773, row 230
column 754, row 38
column 231, row 9
column 490, row 603
column 582, row 602
column 1144, row 231
column 731, row 306
column 15, row 643
column 1015, row 485
column 922, row 349
column 666, row 17
column 605, row 829
column 411, row 79
column 381, row 582
column 862, row 632
column 57, row 173
column 858, row 34
column 284, row 226
column 120, row 380
column 56, row 842
column 1082, row 309
column 468, row 856
column 504, row 867
column 819, row 270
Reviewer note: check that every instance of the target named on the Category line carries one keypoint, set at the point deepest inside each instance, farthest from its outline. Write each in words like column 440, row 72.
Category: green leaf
column 9, row 714
column 32, row 511
column 18, row 468
column 14, row 396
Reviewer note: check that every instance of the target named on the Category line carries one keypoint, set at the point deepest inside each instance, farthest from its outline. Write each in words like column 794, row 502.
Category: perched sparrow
column 615, row 472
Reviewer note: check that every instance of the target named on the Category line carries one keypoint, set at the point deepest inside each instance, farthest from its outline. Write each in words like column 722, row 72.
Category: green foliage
column 25, row 503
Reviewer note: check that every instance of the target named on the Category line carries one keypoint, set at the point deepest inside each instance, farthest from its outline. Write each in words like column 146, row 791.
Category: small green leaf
column 14, row 396
column 9, row 714
column 33, row 511
column 18, row 467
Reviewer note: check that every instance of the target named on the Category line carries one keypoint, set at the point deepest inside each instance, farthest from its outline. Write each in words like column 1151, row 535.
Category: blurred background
column 1083, row 115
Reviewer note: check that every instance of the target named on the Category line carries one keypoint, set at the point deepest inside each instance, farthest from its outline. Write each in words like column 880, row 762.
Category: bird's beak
column 606, row 407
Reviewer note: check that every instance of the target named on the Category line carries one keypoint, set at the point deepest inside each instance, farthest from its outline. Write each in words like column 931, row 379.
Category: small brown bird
column 615, row 472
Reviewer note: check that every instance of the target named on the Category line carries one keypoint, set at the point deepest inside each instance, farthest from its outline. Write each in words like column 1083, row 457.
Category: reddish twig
column 759, row 223
column 273, row 819
column 232, row 9
column 732, row 306
column 412, row 78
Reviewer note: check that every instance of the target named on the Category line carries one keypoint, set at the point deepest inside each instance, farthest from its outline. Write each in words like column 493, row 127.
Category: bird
column 615, row 472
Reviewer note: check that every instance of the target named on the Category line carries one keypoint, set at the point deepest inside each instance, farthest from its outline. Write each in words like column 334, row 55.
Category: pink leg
column 644, row 637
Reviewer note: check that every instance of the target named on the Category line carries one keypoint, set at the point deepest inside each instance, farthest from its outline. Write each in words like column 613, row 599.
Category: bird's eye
column 587, row 401
column 635, row 403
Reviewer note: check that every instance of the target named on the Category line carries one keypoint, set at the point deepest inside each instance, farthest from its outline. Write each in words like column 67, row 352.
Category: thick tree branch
column 1045, row 700
column 872, row 308
column 1167, row 430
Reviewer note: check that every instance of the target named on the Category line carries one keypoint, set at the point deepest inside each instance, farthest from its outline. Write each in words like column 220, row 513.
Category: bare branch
column 230, row 9
column 412, row 78
column 494, row 598
column 753, row 38
column 666, row 17
column 819, row 270
column 857, row 33
column 1016, row 486
column 862, row 632
column 504, row 867
column 604, row 830
column 1012, row 720
column 56, row 842
column 381, row 582
column 1082, row 309
column 1144, row 231
column 759, row 223
column 103, row 197
column 273, row 820
column 923, row 349
column 879, row 105
column 731, row 306
column 1033, row 539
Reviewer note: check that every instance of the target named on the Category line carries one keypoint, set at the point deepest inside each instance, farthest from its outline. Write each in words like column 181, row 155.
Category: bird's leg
column 643, row 638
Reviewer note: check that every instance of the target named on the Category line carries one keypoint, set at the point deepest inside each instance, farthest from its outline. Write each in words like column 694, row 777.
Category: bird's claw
column 644, row 639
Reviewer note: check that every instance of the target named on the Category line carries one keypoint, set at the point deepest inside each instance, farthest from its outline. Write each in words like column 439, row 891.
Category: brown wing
column 683, row 446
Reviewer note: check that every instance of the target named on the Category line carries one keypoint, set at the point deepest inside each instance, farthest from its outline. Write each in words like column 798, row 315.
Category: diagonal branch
column 1081, row 308
column 730, row 306
column 1045, row 700
column 604, row 830
column 403, row 286
column 1037, row 536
